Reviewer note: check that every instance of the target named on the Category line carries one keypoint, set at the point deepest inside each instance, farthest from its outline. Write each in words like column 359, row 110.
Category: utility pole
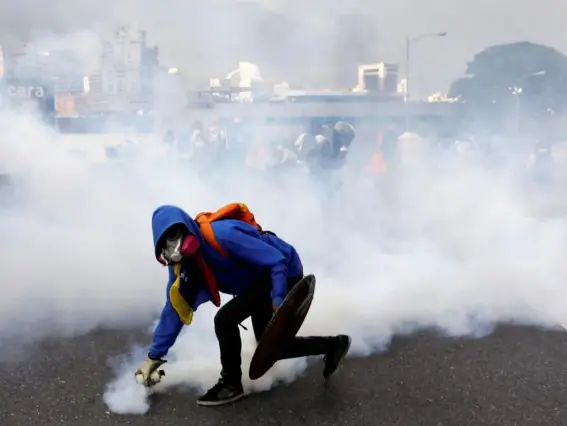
column 517, row 91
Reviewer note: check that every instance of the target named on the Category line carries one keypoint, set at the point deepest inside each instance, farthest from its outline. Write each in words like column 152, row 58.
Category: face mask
column 172, row 250
column 190, row 245
column 178, row 246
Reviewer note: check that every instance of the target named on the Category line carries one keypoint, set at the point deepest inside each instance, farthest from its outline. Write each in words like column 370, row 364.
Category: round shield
column 283, row 327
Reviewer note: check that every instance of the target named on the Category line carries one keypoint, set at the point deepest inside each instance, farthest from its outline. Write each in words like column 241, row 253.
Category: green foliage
column 539, row 70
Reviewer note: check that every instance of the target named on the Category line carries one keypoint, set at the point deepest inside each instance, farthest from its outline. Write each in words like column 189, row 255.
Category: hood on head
column 164, row 217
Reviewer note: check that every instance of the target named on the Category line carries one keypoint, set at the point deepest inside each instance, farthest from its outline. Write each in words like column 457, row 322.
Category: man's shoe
column 222, row 393
column 336, row 355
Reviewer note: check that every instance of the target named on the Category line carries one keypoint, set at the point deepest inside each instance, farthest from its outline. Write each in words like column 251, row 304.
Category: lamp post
column 517, row 91
column 409, row 42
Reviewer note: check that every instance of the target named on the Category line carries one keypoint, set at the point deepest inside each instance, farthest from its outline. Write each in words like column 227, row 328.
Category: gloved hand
column 148, row 370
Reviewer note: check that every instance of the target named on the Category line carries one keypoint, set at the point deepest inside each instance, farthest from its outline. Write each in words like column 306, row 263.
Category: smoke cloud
column 458, row 250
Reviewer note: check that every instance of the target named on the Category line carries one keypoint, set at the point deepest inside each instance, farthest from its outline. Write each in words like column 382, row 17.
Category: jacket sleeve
column 168, row 327
column 250, row 248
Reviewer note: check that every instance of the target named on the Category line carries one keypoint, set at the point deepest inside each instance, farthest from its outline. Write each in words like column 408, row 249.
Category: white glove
column 148, row 374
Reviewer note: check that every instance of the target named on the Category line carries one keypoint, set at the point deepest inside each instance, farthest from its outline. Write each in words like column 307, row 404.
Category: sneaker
column 333, row 359
column 222, row 393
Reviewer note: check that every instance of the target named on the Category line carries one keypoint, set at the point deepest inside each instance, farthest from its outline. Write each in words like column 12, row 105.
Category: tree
column 502, row 78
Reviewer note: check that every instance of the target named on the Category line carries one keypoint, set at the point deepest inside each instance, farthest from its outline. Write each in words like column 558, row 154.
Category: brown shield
column 283, row 327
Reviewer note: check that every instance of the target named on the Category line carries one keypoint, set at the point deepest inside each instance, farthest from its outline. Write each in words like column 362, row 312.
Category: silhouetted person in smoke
column 541, row 162
column 169, row 138
column 324, row 150
column 202, row 156
column 209, row 144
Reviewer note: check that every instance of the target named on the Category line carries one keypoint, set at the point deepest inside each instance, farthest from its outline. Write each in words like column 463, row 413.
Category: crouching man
column 227, row 252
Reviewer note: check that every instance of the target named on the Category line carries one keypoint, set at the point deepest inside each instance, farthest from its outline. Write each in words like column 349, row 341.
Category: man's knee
column 223, row 319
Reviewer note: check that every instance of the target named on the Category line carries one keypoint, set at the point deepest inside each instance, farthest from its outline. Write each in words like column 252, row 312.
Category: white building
column 381, row 77
column 126, row 62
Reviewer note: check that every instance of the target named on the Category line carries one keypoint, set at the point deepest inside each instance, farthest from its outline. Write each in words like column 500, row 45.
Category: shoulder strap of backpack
column 204, row 222
column 238, row 211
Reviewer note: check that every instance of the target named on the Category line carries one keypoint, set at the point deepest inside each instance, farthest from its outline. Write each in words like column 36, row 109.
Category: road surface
column 516, row 376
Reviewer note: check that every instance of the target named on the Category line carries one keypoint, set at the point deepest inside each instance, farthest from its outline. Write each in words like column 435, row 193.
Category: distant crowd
column 322, row 149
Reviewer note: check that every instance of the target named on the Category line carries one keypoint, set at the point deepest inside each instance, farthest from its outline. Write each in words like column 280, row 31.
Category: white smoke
column 459, row 252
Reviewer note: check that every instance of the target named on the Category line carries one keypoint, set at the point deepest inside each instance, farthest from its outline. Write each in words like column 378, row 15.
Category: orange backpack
column 238, row 211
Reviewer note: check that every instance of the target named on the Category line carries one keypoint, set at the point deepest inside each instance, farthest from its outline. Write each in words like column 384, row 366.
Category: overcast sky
column 182, row 27
column 471, row 26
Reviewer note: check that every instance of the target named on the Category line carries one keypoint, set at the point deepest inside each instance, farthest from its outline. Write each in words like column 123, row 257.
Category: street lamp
column 409, row 42
column 517, row 92
column 535, row 74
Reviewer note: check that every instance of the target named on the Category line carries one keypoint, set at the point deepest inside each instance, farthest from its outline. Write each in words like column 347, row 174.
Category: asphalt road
column 516, row 376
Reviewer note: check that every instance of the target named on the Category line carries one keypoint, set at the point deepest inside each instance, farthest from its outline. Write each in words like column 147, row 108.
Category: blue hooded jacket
column 251, row 254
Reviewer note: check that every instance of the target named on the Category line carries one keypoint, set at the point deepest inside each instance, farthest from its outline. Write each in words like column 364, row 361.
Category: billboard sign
column 16, row 91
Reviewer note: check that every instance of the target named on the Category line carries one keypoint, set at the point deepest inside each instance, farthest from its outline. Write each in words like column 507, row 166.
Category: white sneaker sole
column 223, row 402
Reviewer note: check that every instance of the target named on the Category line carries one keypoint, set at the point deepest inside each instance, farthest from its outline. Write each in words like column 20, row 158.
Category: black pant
column 256, row 302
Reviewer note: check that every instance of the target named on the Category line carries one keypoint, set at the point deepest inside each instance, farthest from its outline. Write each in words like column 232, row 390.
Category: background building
column 380, row 77
column 62, row 71
column 28, row 80
column 57, row 81
column 127, row 66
